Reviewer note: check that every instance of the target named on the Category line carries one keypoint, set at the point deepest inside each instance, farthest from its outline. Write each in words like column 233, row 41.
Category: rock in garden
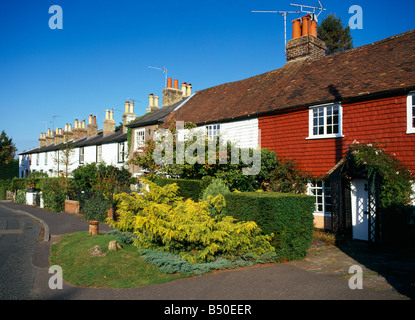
column 97, row 252
column 114, row 246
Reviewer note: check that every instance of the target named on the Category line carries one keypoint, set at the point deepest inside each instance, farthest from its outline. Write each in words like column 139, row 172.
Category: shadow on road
column 397, row 266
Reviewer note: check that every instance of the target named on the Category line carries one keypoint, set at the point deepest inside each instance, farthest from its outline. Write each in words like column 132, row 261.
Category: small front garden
column 124, row 268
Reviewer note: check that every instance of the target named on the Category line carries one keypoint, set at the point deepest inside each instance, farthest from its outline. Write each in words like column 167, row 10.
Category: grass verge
column 117, row 269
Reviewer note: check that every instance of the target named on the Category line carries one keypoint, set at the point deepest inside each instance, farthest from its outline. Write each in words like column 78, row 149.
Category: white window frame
column 46, row 159
column 213, row 130
column 81, row 155
column 99, row 153
column 140, row 138
column 121, row 152
column 410, row 113
column 321, row 207
column 37, row 159
column 325, row 108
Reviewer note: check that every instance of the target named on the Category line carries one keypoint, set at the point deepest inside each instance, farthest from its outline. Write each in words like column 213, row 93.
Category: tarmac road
column 25, row 277
column 18, row 236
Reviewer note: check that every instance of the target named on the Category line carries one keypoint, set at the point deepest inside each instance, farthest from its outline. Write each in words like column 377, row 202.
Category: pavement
column 324, row 274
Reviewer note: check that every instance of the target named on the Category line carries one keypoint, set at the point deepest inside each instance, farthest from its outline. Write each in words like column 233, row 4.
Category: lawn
column 118, row 269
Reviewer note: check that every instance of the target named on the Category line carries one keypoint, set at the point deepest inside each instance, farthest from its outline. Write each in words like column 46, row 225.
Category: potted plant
column 95, row 211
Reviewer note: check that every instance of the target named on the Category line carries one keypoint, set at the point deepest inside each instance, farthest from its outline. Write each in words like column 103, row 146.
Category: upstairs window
column 325, row 121
column 410, row 112
column 213, row 131
column 81, row 155
column 99, row 153
column 140, row 138
column 121, row 152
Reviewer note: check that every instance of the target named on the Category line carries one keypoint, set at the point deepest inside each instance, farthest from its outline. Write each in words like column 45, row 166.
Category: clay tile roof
column 384, row 66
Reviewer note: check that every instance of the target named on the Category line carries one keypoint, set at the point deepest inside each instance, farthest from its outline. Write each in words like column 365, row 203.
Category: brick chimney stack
column 186, row 89
column 128, row 115
column 109, row 123
column 171, row 95
column 305, row 43
column 42, row 140
column 79, row 131
column 67, row 133
column 59, row 136
column 50, row 139
column 153, row 103
column 92, row 128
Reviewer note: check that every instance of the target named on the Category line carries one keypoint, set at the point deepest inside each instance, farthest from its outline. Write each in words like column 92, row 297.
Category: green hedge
column 188, row 189
column 288, row 216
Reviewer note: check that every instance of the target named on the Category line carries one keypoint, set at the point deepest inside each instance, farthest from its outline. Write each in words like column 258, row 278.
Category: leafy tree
column 100, row 179
column 336, row 36
column 7, row 149
column 276, row 174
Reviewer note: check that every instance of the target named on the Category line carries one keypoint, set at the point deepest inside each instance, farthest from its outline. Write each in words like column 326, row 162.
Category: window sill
column 325, row 137
column 321, row 214
column 410, row 131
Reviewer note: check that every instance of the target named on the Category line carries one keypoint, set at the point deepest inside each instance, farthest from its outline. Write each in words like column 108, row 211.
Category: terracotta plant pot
column 93, row 228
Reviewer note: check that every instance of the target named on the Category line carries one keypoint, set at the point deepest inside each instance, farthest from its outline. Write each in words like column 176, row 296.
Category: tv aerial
column 284, row 14
column 164, row 71
column 310, row 9
column 303, row 9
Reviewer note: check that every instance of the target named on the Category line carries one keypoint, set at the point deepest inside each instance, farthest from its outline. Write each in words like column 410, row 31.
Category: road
column 18, row 235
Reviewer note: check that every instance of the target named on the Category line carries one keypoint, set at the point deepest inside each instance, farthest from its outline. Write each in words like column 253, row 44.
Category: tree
column 336, row 36
column 64, row 157
column 7, row 149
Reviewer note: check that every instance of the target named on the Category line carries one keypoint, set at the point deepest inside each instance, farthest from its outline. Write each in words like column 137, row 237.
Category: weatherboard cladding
column 384, row 66
column 372, row 120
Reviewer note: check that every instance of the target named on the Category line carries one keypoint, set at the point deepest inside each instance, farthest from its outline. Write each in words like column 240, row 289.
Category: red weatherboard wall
column 382, row 120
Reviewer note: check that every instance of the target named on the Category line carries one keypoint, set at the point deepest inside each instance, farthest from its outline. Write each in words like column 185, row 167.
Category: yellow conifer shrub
column 161, row 220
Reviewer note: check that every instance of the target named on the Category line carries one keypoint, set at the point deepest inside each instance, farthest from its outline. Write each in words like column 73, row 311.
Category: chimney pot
column 132, row 107
column 156, row 101
column 306, row 25
column 151, row 100
column 296, row 28
column 189, row 90
column 94, row 120
column 313, row 30
column 169, row 81
column 176, row 84
column 127, row 106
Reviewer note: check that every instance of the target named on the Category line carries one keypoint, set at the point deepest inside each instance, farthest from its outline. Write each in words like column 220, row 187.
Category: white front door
column 360, row 199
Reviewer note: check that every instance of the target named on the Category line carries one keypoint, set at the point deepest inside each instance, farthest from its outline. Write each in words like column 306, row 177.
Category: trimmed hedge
column 289, row 216
column 188, row 189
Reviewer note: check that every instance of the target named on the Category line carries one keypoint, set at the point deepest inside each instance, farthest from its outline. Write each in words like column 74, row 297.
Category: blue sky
column 101, row 56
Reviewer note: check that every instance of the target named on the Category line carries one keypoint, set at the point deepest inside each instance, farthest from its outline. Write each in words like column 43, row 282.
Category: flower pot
column 93, row 228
